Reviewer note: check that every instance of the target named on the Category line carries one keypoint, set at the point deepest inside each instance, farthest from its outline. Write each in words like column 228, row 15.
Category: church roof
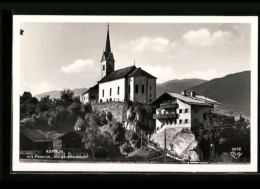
column 95, row 87
column 118, row 74
column 140, row 72
column 126, row 72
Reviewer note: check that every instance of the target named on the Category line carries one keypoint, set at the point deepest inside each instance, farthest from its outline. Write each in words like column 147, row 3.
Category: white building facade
column 175, row 110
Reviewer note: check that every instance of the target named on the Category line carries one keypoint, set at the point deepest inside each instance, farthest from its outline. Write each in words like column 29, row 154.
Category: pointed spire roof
column 108, row 47
column 107, row 54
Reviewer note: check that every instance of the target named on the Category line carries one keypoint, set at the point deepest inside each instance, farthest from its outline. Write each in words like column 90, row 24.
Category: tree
column 87, row 108
column 93, row 139
column 66, row 97
column 118, row 133
column 75, row 108
column 45, row 103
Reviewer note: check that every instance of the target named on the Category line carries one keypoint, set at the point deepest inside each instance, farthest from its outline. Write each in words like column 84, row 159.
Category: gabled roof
column 95, row 87
column 35, row 135
column 140, row 72
column 197, row 100
column 118, row 74
column 81, row 133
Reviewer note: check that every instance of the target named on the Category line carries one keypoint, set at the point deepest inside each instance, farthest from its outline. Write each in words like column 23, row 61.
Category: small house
column 34, row 140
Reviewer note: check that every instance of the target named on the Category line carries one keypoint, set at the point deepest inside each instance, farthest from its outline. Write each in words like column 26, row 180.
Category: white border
column 132, row 167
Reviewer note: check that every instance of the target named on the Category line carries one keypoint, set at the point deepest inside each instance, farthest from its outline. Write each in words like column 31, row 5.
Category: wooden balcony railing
column 169, row 105
column 164, row 116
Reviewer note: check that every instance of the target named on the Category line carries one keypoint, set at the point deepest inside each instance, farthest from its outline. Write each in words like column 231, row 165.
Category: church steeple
column 108, row 47
column 107, row 57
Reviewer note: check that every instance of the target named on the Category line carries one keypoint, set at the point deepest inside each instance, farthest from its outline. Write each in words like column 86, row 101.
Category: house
column 126, row 84
column 34, row 140
column 72, row 143
column 174, row 110
column 91, row 95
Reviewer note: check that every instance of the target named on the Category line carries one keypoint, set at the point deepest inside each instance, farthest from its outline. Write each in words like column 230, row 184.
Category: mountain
column 177, row 85
column 232, row 91
column 56, row 94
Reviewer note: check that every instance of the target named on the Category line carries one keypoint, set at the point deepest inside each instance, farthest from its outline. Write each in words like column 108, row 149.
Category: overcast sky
column 55, row 56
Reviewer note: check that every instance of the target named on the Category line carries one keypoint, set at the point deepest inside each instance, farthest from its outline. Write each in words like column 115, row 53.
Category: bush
column 126, row 148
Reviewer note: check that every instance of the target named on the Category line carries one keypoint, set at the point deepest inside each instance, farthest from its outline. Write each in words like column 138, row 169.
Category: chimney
column 184, row 93
column 192, row 94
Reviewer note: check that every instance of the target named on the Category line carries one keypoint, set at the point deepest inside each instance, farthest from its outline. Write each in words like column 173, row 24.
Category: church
column 126, row 84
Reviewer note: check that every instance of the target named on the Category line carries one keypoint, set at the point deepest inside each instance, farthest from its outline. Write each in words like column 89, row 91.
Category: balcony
column 168, row 105
column 165, row 116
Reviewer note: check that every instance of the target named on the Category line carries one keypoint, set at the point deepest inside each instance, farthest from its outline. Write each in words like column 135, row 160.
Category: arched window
column 118, row 89
column 103, row 93
column 143, row 89
column 136, row 88
column 110, row 91
column 104, row 67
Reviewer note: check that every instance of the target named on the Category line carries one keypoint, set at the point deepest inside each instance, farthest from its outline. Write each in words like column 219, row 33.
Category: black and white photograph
column 135, row 93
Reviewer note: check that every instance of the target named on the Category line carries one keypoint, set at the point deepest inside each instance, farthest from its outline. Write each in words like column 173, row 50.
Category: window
column 110, row 91
column 150, row 95
column 143, row 89
column 186, row 110
column 180, row 111
column 150, row 87
column 136, row 88
column 186, row 121
column 103, row 93
column 104, row 67
column 118, row 88
column 180, row 121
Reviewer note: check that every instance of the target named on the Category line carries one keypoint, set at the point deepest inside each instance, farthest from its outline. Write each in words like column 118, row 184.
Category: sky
column 55, row 56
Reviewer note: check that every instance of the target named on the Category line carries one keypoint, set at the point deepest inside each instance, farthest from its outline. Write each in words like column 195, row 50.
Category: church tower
column 107, row 61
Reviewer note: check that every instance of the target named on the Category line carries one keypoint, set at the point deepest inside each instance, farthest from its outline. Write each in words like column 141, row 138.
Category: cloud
column 79, row 66
column 156, row 44
column 204, row 38
column 37, row 88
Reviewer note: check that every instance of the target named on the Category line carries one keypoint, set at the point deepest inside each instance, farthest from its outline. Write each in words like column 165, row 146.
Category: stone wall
column 118, row 109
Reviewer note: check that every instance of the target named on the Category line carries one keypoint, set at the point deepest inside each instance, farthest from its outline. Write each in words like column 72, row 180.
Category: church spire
column 108, row 47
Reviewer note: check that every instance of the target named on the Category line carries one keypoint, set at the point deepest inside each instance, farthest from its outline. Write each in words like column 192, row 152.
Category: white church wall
column 114, row 86
column 131, row 84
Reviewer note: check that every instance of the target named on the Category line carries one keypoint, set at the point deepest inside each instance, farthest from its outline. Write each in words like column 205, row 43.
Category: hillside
column 56, row 94
column 232, row 91
column 177, row 85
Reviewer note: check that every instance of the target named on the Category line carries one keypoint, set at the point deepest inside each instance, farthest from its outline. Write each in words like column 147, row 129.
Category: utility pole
column 141, row 138
column 165, row 150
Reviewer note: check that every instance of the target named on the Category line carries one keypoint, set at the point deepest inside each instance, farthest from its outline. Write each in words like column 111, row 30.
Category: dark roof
column 35, row 135
column 95, row 87
column 197, row 100
column 118, row 74
column 140, row 72
column 81, row 133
